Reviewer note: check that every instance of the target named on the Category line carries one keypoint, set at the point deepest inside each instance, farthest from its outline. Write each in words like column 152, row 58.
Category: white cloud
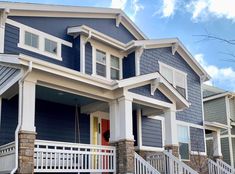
column 168, row 8
column 132, row 7
column 220, row 76
column 119, row 4
column 201, row 9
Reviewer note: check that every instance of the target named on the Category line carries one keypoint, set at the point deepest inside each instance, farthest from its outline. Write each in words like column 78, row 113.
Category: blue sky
column 183, row 19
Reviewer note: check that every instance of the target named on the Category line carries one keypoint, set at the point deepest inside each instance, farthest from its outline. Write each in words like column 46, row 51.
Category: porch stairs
column 219, row 167
column 161, row 163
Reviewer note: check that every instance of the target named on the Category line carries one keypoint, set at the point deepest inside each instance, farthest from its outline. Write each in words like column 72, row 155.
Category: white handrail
column 51, row 156
column 143, row 167
column 7, row 157
column 219, row 167
column 165, row 162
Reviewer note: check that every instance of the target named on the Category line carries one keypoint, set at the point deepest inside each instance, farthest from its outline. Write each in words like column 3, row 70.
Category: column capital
column 127, row 98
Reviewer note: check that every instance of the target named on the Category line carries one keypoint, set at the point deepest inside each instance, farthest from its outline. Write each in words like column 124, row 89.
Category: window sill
column 101, row 77
column 38, row 51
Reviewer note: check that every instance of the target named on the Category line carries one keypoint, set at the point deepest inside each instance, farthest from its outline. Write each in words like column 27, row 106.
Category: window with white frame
column 101, row 63
column 31, row 39
column 176, row 77
column 50, row 46
column 184, row 142
column 115, row 68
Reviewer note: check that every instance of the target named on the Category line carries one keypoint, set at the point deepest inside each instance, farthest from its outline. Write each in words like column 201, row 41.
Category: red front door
column 105, row 132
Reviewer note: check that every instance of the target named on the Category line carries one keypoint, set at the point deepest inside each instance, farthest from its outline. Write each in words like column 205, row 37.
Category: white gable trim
column 46, row 10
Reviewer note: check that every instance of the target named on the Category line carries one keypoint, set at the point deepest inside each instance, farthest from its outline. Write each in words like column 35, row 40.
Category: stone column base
column 125, row 154
column 26, row 152
column 217, row 157
column 175, row 149
column 198, row 163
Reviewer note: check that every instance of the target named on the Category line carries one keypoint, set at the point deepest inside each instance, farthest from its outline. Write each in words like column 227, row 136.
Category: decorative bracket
column 174, row 48
column 154, row 85
column 139, row 51
column 88, row 38
column 3, row 17
column 118, row 19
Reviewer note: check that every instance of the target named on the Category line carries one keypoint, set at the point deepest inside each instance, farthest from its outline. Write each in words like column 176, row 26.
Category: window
column 31, row 39
column 176, row 77
column 184, row 140
column 115, row 68
column 50, row 46
column 100, row 63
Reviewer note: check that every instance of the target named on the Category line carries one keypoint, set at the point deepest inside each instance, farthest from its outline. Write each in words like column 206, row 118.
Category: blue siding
column 149, row 63
column 129, row 66
column 55, row 122
column 146, row 91
column 197, row 139
column 58, row 26
column 151, row 132
column 88, row 58
column 12, row 39
column 9, row 120
column 76, row 46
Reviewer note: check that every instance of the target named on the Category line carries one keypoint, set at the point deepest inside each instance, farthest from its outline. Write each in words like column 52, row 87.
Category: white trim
column 216, row 96
column 42, row 36
column 139, row 128
column 82, row 54
column 3, row 16
column 43, row 10
column 198, row 153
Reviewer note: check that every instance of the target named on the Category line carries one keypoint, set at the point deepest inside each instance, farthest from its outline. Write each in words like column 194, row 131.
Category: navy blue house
column 83, row 89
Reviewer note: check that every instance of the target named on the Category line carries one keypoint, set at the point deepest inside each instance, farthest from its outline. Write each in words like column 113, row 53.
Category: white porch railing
column 167, row 163
column 219, row 167
column 143, row 167
column 50, row 156
column 7, row 157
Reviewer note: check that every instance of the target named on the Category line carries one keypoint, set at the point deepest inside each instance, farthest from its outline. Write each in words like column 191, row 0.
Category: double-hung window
column 176, row 77
column 50, row 46
column 101, row 63
column 184, row 142
column 115, row 68
column 31, row 39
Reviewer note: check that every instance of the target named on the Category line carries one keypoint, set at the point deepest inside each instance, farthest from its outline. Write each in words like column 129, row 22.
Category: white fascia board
column 216, row 96
column 181, row 50
column 71, row 11
column 65, row 72
column 9, row 58
column 100, row 36
column 214, row 125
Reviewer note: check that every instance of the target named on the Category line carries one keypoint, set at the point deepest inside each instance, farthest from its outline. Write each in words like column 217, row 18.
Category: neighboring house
column 219, row 106
column 83, row 88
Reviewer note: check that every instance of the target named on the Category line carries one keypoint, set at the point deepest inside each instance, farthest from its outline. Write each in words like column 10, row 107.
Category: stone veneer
column 26, row 152
column 125, row 154
column 198, row 163
column 175, row 149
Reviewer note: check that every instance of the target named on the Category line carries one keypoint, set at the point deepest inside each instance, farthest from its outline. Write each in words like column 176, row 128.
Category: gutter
column 21, row 81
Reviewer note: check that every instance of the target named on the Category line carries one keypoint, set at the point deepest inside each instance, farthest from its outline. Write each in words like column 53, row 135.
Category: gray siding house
column 219, row 106
column 83, row 90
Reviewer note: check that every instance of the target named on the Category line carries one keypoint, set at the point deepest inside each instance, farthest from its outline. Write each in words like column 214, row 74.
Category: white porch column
column 125, row 118
column 27, row 104
column 216, row 144
column 170, row 128
column 114, row 121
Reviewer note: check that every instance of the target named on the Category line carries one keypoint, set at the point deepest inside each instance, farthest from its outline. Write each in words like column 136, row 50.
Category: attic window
column 31, row 39
column 50, row 46
column 175, row 77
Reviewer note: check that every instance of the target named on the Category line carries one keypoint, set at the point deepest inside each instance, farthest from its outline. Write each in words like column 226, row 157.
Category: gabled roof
column 178, row 46
column 45, row 10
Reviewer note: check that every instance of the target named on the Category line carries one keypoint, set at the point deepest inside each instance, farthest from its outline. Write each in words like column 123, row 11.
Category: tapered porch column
column 27, row 130
column 121, row 134
column 171, row 141
column 216, row 145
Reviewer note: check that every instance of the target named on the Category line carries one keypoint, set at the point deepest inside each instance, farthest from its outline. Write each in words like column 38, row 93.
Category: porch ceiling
column 62, row 97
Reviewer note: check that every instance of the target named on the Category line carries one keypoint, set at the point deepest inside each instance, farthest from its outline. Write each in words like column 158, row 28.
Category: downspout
column 21, row 81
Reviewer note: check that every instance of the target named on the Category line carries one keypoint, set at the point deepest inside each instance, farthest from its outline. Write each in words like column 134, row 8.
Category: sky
column 187, row 20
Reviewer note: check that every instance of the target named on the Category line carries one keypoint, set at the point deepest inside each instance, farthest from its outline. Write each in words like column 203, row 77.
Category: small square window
column 50, row 46
column 31, row 39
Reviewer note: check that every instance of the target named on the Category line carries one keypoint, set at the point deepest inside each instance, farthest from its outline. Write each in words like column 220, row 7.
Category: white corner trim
column 42, row 36
column 3, row 17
